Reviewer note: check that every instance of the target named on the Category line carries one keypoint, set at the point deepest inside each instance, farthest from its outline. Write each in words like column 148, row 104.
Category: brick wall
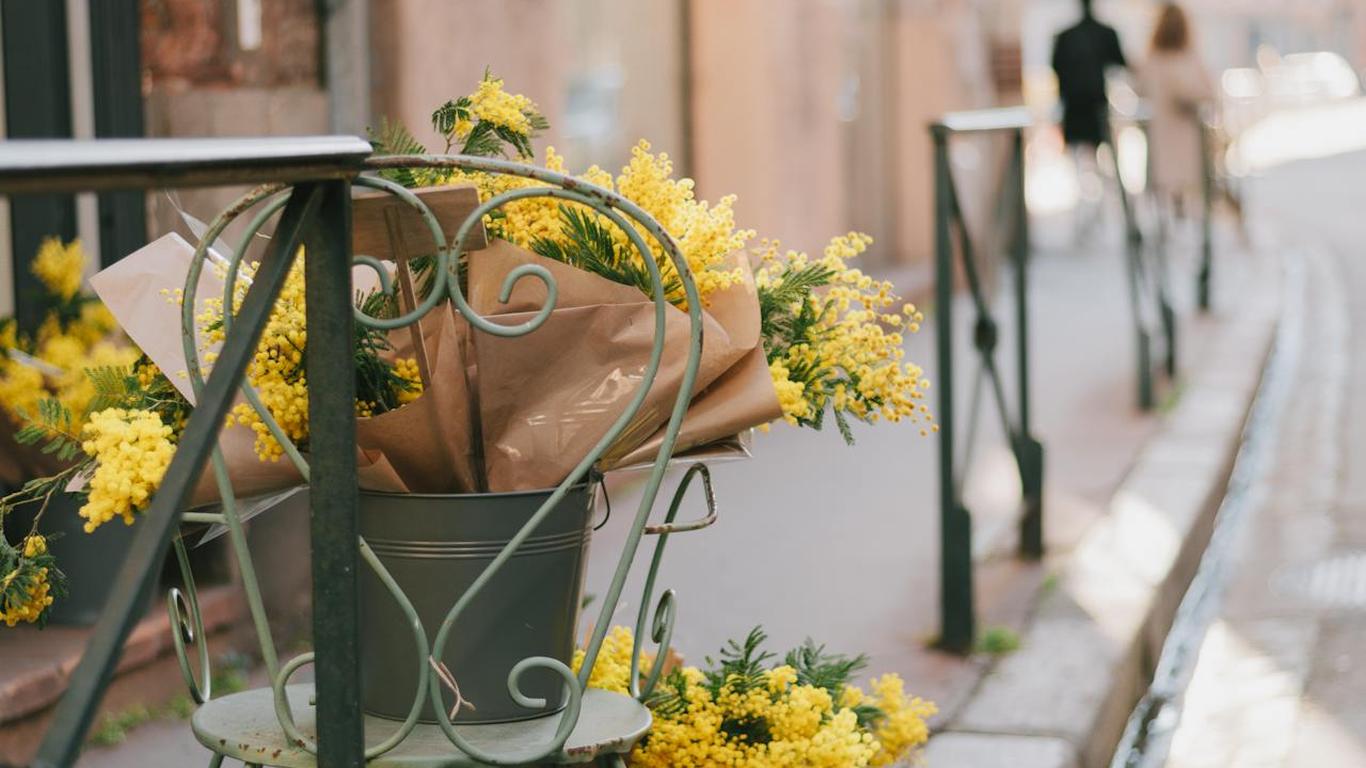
column 195, row 43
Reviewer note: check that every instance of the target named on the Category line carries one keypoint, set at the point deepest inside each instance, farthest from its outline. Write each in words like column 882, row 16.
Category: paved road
column 1281, row 676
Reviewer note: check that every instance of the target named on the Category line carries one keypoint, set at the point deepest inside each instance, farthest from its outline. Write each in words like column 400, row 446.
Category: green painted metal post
column 332, row 481
column 115, row 52
column 1133, row 252
column 37, row 105
column 142, row 565
column 1206, row 218
column 957, row 618
column 1028, row 451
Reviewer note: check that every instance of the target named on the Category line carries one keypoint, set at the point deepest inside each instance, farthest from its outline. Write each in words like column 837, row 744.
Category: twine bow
column 448, row 679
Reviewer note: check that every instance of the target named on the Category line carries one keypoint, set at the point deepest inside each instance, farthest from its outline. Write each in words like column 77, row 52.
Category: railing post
column 1028, row 451
column 1133, row 251
column 956, row 631
column 63, row 741
column 332, row 482
column 1206, row 218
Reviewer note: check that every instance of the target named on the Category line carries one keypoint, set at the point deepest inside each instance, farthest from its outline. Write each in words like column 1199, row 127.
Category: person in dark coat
column 1081, row 54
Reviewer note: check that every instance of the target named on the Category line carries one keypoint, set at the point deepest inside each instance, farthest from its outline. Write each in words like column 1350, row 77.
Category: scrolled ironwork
column 636, row 225
column 666, row 611
column 189, row 629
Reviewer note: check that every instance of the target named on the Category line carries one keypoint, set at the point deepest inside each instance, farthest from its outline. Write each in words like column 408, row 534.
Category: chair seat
column 243, row 726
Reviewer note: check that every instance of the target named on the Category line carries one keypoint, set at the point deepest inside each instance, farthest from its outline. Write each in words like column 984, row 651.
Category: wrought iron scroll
column 636, row 225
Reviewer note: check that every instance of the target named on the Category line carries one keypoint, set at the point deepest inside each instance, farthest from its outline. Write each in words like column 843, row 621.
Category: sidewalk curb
column 1062, row 700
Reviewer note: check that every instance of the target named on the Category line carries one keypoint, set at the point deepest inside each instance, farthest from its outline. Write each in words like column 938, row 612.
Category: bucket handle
column 668, row 526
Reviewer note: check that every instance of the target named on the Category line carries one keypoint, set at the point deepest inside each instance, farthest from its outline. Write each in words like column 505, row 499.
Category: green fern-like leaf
column 741, row 665
column 484, row 141
column 587, row 244
column 394, row 138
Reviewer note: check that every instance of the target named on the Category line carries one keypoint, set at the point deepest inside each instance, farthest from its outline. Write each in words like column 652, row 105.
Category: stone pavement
column 1281, row 675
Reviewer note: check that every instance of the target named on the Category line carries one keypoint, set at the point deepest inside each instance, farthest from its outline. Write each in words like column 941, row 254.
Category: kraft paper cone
column 133, row 290
column 741, row 398
column 548, row 397
column 425, row 446
column 137, row 290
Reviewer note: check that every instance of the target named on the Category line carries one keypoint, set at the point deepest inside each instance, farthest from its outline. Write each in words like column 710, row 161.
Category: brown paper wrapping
column 548, row 397
column 544, row 399
column 138, row 290
column 425, row 446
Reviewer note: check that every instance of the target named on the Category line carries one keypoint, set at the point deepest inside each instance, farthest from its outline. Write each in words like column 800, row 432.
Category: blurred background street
column 816, row 114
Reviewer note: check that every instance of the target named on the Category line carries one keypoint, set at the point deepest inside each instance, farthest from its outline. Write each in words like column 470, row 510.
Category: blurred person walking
column 1082, row 54
column 1176, row 85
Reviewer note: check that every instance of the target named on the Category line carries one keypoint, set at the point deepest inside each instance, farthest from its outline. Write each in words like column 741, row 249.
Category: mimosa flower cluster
column 834, row 336
column 746, row 711
column 77, row 333
column 26, row 586
column 131, row 450
column 706, row 234
column 60, row 267
column 277, row 371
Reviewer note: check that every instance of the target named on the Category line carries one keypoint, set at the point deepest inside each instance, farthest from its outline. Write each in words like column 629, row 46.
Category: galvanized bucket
column 435, row 546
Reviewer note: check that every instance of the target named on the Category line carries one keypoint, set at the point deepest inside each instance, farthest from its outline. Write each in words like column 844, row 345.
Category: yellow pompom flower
column 904, row 727
column 740, row 715
column 612, row 669
column 60, row 267
column 28, row 606
column 131, row 449
column 834, row 339
column 73, row 387
column 507, row 110
column 277, row 369
column 406, row 369
column 21, row 388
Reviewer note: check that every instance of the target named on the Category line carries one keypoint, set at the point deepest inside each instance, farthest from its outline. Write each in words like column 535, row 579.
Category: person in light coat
column 1177, row 86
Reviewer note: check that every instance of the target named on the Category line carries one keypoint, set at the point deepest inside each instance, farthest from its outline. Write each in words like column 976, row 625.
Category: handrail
column 1142, row 115
column 67, row 165
column 986, row 120
column 957, row 618
column 1205, row 274
column 324, row 164
column 1147, row 270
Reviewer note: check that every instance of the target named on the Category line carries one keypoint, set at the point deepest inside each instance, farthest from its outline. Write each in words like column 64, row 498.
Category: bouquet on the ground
column 45, row 372
column 443, row 409
column 746, row 709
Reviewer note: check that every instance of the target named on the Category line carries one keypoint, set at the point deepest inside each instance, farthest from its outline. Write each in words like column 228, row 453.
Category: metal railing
column 307, row 181
column 957, row 613
column 1147, row 261
column 317, row 213
column 1208, row 187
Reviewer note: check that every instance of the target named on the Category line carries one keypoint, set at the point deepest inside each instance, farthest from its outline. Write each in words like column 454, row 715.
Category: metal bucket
column 435, row 546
